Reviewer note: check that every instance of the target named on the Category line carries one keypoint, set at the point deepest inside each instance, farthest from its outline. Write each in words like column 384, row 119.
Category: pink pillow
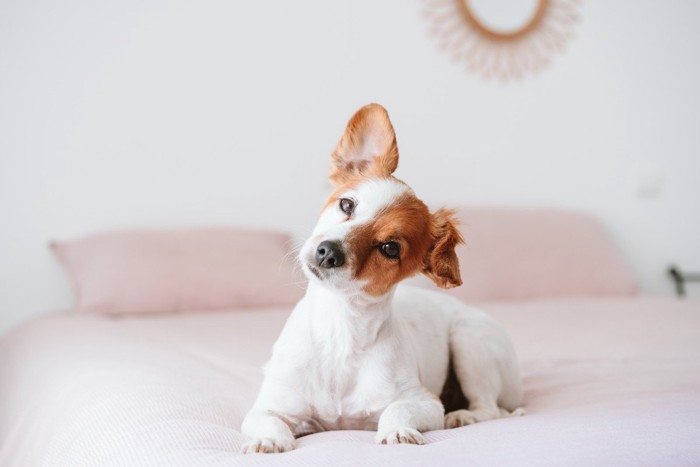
column 180, row 270
column 514, row 254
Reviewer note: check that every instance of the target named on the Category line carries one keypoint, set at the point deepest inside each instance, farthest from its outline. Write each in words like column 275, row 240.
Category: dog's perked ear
column 368, row 146
column 441, row 263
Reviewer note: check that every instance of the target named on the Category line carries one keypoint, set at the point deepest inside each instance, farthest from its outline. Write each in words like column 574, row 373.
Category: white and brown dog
column 360, row 353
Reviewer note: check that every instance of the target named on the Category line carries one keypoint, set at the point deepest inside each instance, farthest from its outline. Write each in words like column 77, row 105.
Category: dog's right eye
column 347, row 205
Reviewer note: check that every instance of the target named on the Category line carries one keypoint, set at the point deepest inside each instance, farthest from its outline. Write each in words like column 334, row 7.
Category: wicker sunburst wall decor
column 497, row 53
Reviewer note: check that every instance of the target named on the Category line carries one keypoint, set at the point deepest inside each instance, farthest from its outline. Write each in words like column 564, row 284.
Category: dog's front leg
column 402, row 421
column 269, row 432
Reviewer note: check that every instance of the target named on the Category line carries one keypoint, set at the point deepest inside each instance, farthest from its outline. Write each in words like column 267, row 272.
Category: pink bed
column 610, row 379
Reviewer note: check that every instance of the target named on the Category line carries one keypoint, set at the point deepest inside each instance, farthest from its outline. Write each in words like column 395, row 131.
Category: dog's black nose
column 329, row 255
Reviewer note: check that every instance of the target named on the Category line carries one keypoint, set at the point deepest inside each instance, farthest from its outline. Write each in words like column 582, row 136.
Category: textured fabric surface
column 513, row 254
column 180, row 270
column 609, row 382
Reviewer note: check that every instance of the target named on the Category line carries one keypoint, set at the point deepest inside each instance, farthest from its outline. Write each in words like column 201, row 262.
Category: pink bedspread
column 607, row 382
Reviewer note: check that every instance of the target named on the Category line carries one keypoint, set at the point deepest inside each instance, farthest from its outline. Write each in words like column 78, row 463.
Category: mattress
column 607, row 382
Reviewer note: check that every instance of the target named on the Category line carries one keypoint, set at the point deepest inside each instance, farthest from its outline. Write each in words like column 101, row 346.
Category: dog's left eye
column 347, row 205
column 391, row 250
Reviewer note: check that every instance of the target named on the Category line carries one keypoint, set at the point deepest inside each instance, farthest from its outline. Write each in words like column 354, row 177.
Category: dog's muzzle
column 329, row 254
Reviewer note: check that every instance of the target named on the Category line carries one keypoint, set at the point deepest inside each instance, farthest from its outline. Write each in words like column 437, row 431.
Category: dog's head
column 374, row 231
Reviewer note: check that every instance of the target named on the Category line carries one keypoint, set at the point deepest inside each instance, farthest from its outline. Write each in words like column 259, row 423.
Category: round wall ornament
column 503, row 39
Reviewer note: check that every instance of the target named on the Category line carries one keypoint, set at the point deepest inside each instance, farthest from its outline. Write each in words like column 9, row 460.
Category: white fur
column 347, row 360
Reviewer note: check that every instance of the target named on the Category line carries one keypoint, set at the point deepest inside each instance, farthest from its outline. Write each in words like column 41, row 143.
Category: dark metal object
column 680, row 278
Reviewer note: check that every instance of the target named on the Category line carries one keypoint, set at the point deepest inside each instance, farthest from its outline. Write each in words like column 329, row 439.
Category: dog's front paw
column 401, row 436
column 267, row 445
column 460, row 418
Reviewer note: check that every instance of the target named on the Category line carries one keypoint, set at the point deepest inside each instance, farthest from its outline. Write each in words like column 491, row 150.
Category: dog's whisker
column 290, row 256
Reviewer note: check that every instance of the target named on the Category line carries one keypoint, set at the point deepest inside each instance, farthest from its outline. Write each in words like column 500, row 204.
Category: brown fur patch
column 368, row 147
column 441, row 263
column 406, row 221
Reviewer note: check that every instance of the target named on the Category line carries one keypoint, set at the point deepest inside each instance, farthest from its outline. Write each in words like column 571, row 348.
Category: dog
column 361, row 353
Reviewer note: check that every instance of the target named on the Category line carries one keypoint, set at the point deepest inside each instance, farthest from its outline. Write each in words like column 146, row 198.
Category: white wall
column 132, row 113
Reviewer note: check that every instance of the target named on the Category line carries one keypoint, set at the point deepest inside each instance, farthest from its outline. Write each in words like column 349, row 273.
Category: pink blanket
column 607, row 382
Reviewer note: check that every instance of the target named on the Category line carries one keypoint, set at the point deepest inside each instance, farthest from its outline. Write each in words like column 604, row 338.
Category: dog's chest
column 349, row 392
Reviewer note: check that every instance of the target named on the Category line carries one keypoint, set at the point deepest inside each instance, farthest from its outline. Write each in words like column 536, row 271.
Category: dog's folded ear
column 441, row 263
column 368, row 146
